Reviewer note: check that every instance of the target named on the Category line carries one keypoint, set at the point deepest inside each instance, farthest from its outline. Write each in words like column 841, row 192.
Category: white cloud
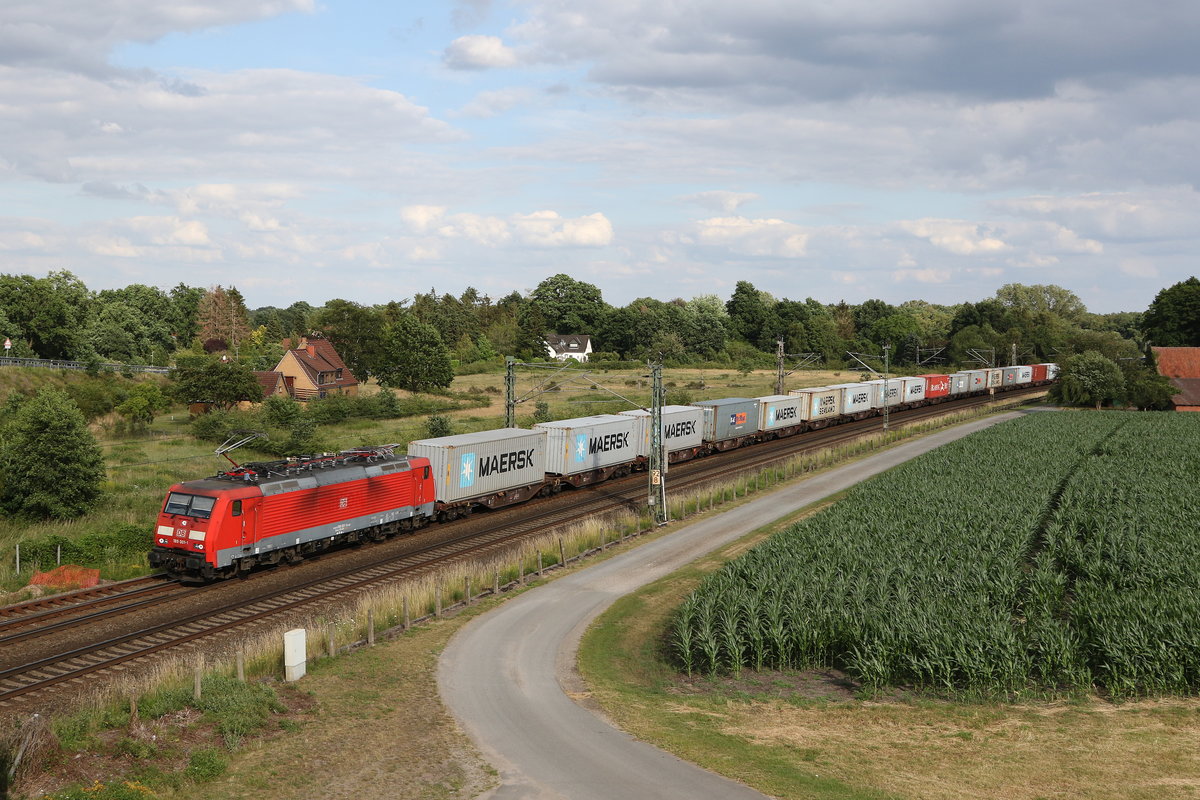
column 548, row 229
column 1138, row 267
column 171, row 230
column 753, row 237
column 479, row 52
column 718, row 200
column 493, row 103
column 956, row 236
column 422, row 218
column 921, row 275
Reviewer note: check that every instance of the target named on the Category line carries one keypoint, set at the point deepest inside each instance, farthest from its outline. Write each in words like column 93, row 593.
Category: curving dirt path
column 509, row 675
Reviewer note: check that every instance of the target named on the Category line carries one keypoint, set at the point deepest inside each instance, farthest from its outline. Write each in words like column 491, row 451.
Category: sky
column 309, row 149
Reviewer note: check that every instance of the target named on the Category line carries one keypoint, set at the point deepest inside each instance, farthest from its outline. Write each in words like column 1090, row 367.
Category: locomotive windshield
column 189, row 505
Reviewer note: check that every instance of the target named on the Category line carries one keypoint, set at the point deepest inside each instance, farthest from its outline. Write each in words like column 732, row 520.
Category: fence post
column 539, row 563
column 198, row 678
column 18, row 558
column 562, row 552
column 329, row 641
column 239, row 660
column 407, row 619
column 58, row 556
column 133, row 712
column 370, row 627
column 521, row 569
column 437, row 607
column 467, row 589
column 496, row 583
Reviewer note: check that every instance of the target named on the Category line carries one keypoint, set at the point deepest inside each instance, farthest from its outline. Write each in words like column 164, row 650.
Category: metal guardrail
column 50, row 363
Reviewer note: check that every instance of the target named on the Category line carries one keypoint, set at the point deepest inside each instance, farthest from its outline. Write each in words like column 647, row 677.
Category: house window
column 338, row 377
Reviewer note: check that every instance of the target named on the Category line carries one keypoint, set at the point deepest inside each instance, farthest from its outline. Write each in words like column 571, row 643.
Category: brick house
column 314, row 369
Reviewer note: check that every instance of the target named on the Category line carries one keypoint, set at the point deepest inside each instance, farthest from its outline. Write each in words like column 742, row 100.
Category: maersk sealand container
column 856, row 397
column 682, row 428
column 588, row 443
column 470, row 465
column 778, row 411
column 729, row 418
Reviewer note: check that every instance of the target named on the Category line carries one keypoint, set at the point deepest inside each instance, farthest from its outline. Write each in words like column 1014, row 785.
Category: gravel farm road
column 507, row 675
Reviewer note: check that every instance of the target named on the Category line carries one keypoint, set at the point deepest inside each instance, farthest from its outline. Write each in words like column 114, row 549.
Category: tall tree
column 222, row 316
column 220, row 384
column 52, row 466
column 568, row 306
column 53, row 312
column 414, row 357
column 356, row 331
column 1173, row 319
column 1042, row 297
column 1089, row 379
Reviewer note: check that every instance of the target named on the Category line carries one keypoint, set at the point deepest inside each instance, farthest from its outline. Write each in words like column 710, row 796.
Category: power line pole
column 779, row 365
column 658, row 462
column 510, row 392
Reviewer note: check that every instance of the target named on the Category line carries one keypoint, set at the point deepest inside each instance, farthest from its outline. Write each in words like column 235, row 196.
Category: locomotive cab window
column 189, row 505
column 237, row 508
column 427, row 473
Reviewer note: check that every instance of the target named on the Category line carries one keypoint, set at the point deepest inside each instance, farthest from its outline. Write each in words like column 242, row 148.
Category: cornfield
column 1058, row 552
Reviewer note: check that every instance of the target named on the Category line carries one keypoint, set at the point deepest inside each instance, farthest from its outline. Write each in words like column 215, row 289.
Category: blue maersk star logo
column 466, row 474
column 771, row 420
column 580, row 447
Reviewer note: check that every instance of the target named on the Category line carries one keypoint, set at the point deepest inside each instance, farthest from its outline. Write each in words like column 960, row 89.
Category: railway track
column 499, row 532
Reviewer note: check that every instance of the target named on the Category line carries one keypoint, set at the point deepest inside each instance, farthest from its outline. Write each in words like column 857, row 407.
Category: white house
column 561, row 348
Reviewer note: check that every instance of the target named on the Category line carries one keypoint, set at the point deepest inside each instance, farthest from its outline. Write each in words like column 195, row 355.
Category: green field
column 1056, row 553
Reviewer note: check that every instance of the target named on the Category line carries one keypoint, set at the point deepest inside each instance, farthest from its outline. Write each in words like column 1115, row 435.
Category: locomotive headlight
column 198, row 545
column 161, row 540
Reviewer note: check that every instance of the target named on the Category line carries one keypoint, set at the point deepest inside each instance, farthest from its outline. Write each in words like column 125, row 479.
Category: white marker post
column 295, row 655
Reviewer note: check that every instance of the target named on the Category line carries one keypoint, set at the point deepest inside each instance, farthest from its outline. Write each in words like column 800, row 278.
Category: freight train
column 281, row 511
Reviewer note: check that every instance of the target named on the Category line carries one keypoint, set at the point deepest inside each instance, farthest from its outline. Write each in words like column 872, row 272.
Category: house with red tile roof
column 272, row 383
column 314, row 369
column 1181, row 365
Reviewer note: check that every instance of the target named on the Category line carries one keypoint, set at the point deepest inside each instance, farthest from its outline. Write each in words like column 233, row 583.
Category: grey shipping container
column 682, row 428
column 1010, row 376
column 777, row 411
column 856, row 397
column 960, row 382
column 473, row 465
column 729, row 418
column 978, row 380
column 587, row 443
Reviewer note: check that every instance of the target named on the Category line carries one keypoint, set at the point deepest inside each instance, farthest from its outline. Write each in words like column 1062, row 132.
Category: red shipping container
column 936, row 385
column 1039, row 373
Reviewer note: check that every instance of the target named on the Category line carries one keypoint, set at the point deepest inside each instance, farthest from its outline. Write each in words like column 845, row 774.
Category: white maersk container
column 682, row 428
column 1024, row 374
column 472, row 465
column 914, row 390
column 587, row 443
column 895, row 386
column 856, row 397
column 776, row 411
column 960, row 382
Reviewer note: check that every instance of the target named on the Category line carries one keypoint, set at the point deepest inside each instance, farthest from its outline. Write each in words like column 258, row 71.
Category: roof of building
column 269, row 381
column 1182, row 366
column 571, row 343
column 1189, row 392
column 317, row 355
column 1178, row 362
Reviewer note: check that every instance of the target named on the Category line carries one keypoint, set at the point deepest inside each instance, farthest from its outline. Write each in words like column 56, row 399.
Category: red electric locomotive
column 280, row 511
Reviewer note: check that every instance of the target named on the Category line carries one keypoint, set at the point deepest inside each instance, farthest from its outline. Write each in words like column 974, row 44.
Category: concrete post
column 295, row 654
